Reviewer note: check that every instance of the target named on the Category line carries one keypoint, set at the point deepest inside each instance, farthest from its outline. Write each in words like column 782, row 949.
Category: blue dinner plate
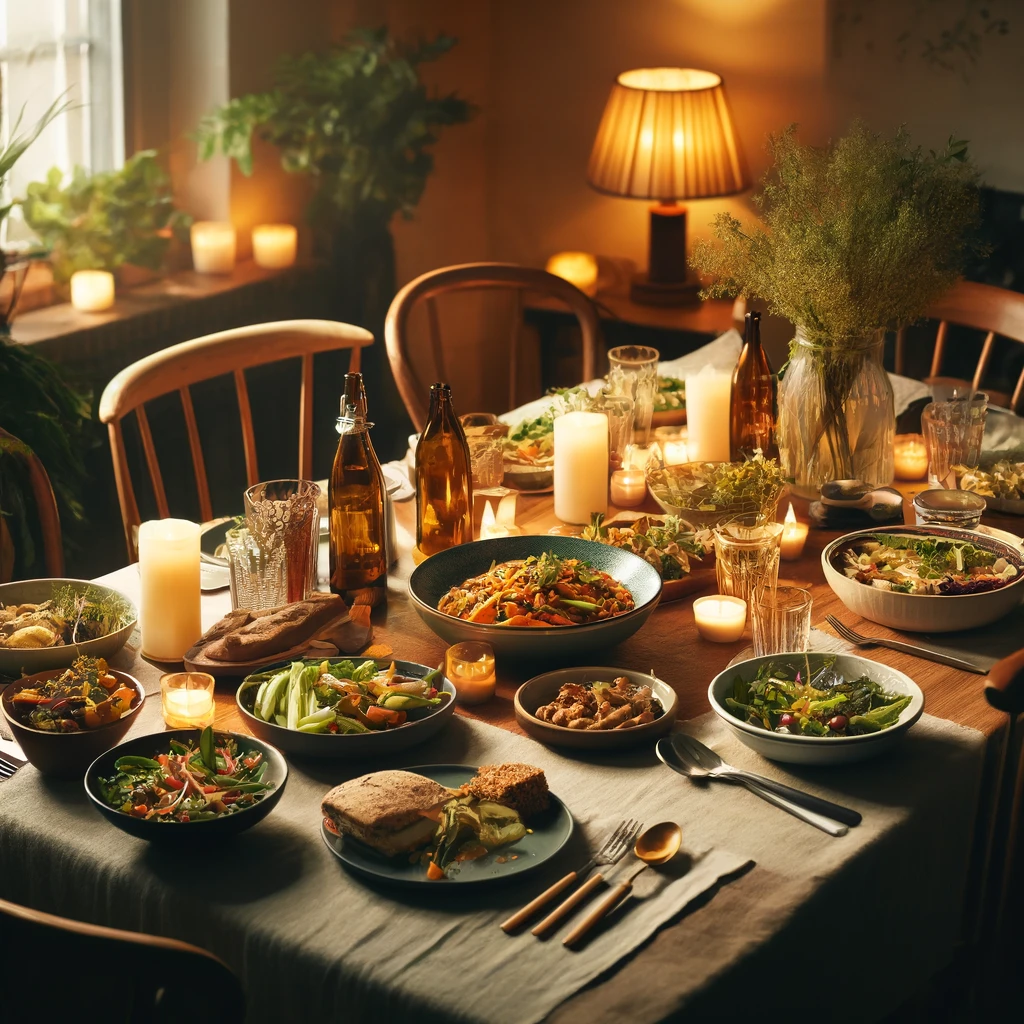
column 549, row 832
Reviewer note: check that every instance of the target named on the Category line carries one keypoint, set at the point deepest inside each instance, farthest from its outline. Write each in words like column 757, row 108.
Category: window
column 49, row 48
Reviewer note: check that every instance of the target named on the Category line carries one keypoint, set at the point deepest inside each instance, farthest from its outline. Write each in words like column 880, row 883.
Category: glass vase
column 837, row 419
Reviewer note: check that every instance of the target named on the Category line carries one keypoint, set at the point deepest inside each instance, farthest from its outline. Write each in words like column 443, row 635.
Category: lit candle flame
column 487, row 520
column 790, row 515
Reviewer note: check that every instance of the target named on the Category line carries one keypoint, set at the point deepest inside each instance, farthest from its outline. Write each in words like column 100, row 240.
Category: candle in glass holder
column 910, row 457
column 92, row 290
column 720, row 618
column 490, row 528
column 213, row 247
column 169, row 573
column 186, row 700
column 274, row 245
column 708, row 398
column 581, row 466
column 470, row 667
column 629, row 487
column 794, row 537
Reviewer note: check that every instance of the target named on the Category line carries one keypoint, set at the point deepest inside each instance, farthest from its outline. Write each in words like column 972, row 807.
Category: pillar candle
column 213, row 247
column 273, row 245
column 581, row 466
column 92, row 290
column 708, row 394
column 169, row 570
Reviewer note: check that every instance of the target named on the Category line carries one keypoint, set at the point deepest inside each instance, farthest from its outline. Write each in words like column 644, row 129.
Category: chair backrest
column 46, row 503
column 474, row 276
column 997, row 311
column 229, row 352
column 125, row 976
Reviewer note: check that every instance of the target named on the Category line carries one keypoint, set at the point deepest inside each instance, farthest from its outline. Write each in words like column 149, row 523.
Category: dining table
column 779, row 931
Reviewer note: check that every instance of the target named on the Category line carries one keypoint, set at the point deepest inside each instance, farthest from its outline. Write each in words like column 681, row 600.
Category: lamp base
column 665, row 293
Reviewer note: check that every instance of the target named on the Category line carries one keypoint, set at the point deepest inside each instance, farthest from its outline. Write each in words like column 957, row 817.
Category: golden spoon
column 658, row 845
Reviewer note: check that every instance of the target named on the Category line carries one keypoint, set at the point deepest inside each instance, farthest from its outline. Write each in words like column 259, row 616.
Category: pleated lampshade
column 667, row 133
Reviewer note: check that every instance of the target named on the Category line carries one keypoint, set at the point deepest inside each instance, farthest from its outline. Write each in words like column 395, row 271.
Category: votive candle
column 490, row 528
column 910, row 457
column 186, row 700
column 720, row 618
column 274, row 245
column 213, row 247
column 629, row 487
column 581, row 466
column 794, row 536
column 708, row 395
column 92, row 290
column 470, row 667
column 169, row 615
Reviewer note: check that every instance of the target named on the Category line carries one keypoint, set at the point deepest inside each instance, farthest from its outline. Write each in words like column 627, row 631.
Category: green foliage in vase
column 357, row 119
column 856, row 237
column 106, row 220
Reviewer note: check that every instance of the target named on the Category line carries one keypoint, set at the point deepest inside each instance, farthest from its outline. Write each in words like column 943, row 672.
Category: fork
column 617, row 843
column 860, row 640
column 9, row 764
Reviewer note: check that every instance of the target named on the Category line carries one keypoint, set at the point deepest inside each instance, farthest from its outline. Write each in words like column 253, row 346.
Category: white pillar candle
column 213, row 247
column 708, row 394
column 273, row 245
column 92, row 290
column 581, row 466
column 629, row 487
column 794, row 537
column 720, row 618
column 169, row 570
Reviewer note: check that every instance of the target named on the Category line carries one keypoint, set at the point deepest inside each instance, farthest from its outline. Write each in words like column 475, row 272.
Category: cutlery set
column 9, row 764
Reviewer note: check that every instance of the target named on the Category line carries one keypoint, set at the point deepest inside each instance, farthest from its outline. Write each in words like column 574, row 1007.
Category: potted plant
column 857, row 238
column 120, row 221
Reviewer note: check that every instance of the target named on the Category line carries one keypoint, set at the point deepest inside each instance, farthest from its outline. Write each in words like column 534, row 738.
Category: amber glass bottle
column 359, row 561
column 752, row 409
column 444, row 478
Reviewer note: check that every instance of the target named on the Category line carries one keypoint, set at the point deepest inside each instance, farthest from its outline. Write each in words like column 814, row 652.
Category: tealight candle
column 708, row 395
column 672, row 442
column 169, row 614
column 490, row 528
column 186, row 700
column 274, row 245
column 720, row 618
column 581, row 466
column 470, row 667
column 213, row 247
column 629, row 487
column 92, row 290
column 910, row 457
column 794, row 537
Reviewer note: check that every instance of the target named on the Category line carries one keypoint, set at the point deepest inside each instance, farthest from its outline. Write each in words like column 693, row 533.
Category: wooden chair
column 46, row 503
column 53, row 968
column 997, row 311
column 476, row 276
column 178, row 367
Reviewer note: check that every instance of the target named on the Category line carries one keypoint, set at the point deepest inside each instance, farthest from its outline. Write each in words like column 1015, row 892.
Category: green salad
column 671, row 394
column 752, row 486
column 819, row 702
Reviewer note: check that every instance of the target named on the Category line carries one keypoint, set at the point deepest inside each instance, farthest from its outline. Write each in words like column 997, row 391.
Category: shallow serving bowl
column 427, row 722
column 198, row 832
column 66, row 755
column 433, row 578
column 924, row 613
column 543, row 689
column 793, row 749
column 705, row 517
column 27, row 661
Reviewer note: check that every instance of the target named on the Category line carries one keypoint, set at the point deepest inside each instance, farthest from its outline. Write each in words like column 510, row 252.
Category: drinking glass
column 619, row 410
column 780, row 620
column 633, row 373
column 747, row 558
column 953, row 433
column 282, row 515
column 257, row 577
column 487, row 462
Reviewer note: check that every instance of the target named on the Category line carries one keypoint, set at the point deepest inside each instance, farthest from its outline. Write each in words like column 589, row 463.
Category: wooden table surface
column 669, row 643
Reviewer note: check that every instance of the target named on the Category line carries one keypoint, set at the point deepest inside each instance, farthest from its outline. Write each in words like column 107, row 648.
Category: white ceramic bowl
column 778, row 746
column 924, row 613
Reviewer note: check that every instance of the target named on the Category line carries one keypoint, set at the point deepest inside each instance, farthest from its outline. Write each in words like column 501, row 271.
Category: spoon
column 658, row 845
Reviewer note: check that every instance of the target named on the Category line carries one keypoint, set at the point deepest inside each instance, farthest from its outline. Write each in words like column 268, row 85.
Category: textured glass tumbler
column 633, row 373
column 283, row 514
column 258, row 578
column 747, row 558
column 780, row 620
column 953, row 434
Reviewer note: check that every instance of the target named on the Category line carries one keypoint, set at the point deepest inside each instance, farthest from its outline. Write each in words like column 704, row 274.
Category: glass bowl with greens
column 709, row 493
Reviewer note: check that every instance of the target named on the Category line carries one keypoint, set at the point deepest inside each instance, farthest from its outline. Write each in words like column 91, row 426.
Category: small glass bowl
column 940, row 507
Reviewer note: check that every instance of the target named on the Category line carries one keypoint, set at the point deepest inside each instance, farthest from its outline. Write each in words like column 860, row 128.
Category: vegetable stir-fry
column 814, row 703
column 340, row 697
column 540, row 591
column 1003, row 479
column 926, row 565
column 469, row 829
column 667, row 543
column 84, row 696
column 188, row 783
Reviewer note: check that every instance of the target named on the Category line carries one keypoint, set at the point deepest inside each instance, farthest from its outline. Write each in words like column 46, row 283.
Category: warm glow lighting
column 628, row 488
column 92, row 290
column 910, row 457
column 186, row 700
column 169, row 614
column 794, row 537
column 213, row 247
column 274, row 245
column 581, row 466
column 470, row 667
column 490, row 529
column 708, row 396
column 720, row 618
column 578, row 268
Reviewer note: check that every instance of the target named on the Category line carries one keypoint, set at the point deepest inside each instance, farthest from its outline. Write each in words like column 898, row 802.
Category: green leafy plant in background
column 104, row 221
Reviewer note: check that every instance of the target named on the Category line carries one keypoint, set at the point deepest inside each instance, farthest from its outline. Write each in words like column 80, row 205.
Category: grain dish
column 619, row 704
column 69, row 617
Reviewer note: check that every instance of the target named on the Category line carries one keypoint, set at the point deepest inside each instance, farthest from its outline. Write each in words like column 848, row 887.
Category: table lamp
column 667, row 134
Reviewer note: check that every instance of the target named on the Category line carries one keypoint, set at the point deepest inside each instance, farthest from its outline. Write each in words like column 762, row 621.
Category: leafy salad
column 754, row 486
column 671, row 394
column 668, row 543
column 821, row 702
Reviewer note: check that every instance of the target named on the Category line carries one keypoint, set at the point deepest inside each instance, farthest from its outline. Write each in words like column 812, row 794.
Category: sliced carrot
column 434, row 873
